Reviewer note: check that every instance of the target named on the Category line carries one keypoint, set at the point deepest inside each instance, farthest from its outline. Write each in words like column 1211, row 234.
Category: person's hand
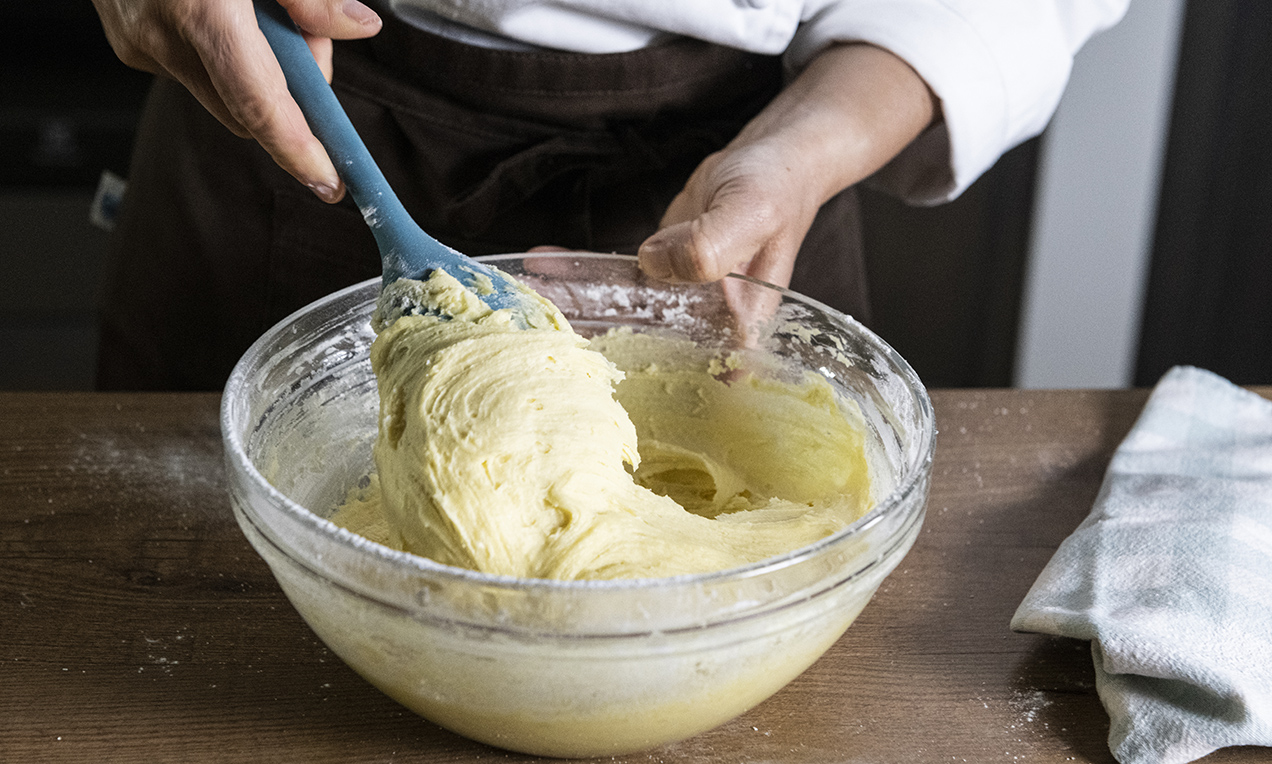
column 216, row 50
column 747, row 208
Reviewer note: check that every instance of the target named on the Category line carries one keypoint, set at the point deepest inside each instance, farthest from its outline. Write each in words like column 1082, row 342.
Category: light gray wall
column 1096, row 206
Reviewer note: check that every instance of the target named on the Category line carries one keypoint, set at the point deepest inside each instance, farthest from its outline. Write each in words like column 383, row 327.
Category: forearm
column 748, row 207
column 850, row 111
column 998, row 68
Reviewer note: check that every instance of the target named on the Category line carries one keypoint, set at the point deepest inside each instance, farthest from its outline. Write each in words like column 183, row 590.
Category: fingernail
column 653, row 259
column 324, row 190
column 360, row 13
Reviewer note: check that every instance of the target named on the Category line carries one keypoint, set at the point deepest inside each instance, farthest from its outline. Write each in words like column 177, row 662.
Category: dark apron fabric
column 491, row 151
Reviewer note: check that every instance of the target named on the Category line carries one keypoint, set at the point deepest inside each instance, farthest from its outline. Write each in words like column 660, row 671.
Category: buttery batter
column 536, row 453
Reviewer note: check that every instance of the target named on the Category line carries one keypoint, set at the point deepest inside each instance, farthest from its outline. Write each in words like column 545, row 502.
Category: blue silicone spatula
column 406, row 251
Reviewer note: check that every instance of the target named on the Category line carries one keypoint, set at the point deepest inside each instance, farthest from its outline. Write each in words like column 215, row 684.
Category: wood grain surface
column 137, row 624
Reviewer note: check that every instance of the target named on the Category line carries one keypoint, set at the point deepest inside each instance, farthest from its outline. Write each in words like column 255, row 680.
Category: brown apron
column 491, row 151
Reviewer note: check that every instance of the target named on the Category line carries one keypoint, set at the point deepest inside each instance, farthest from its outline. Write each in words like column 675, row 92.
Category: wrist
column 848, row 113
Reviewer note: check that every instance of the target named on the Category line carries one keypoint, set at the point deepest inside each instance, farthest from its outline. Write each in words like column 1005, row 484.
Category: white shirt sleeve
column 998, row 68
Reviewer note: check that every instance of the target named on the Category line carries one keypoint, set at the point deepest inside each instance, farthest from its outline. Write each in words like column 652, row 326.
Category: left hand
column 747, row 208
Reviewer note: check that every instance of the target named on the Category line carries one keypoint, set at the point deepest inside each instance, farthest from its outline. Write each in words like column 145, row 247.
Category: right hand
column 216, row 50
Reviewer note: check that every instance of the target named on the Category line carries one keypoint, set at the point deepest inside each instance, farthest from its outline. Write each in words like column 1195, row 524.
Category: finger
column 686, row 205
column 774, row 263
column 161, row 41
column 752, row 307
column 196, row 80
column 711, row 245
column 321, row 48
column 183, row 64
column 321, row 21
column 334, row 19
column 698, row 192
column 249, row 80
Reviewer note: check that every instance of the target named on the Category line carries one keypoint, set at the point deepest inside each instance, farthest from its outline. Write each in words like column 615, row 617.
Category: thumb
column 709, row 246
column 336, row 19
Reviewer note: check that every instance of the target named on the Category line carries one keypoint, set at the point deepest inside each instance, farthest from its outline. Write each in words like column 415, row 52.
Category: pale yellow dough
column 504, row 449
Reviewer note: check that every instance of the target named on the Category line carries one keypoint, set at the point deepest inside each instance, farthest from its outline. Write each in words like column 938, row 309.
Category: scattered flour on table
column 1027, row 703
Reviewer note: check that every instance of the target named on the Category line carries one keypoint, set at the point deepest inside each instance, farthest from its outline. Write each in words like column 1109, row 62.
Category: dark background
column 946, row 280
column 67, row 112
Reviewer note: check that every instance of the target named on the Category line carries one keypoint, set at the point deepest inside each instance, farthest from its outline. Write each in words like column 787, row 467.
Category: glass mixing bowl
column 565, row 668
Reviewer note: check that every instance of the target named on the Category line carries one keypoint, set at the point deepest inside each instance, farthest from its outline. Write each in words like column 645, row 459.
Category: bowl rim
column 886, row 505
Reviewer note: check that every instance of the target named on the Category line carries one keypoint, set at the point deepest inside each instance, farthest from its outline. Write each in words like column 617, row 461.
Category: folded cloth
column 1170, row 577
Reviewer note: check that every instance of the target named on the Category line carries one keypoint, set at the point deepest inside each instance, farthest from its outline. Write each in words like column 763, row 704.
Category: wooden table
column 137, row 625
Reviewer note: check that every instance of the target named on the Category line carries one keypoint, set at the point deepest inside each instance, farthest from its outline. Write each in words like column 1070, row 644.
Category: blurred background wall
column 1133, row 235
column 1098, row 181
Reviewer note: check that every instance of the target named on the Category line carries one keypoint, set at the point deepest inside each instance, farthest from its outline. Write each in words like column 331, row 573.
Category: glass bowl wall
column 550, row 667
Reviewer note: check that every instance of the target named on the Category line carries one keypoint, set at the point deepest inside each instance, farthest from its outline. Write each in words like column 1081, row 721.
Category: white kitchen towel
column 1170, row 576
